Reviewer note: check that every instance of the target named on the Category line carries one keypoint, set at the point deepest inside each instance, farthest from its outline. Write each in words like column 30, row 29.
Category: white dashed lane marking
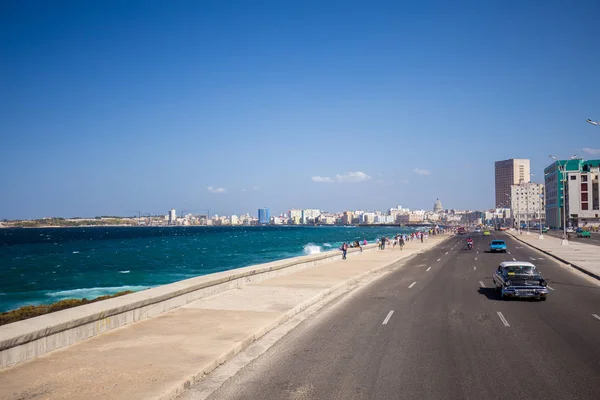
column 532, row 258
column 439, row 259
column 474, row 268
column 596, row 316
column 504, row 321
column 387, row 318
column 446, row 253
column 427, row 269
column 514, row 259
column 412, row 284
column 481, row 284
column 551, row 288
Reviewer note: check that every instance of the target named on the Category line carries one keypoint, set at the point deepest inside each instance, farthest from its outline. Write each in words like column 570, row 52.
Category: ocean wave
column 92, row 292
column 75, row 252
column 311, row 248
column 326, row 244
column 124, row 272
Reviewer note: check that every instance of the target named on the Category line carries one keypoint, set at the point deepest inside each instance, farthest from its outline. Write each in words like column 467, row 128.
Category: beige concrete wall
column 28, row 339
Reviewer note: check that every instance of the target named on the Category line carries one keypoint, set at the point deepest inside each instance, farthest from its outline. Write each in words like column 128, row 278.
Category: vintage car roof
column 516, row 263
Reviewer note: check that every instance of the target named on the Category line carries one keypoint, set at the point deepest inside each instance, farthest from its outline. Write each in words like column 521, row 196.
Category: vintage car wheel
column 543, row 298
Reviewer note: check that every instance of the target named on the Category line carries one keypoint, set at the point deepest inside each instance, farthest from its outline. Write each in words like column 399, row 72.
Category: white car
column 570, row 230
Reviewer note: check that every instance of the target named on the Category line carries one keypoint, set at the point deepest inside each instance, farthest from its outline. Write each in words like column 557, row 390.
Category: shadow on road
column 490, row 293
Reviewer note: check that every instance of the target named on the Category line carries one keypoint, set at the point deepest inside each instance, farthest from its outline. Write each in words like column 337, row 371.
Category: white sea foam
column 91, row 293
column 312, row 248
column 75, row 252
column 326, row 244
column 124, row 272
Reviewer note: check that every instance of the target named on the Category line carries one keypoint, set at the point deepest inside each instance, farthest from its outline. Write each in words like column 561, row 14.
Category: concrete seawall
column 28, row 339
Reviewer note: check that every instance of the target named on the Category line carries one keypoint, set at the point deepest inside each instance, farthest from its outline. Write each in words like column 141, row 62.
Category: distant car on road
column 520, row 279
column 545, row 229
column 486, row 233
column 570, row 230
column 582, row 234
column 498, row 245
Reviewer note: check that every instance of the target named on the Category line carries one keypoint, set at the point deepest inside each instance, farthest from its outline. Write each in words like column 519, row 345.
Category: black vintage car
column 520, row 279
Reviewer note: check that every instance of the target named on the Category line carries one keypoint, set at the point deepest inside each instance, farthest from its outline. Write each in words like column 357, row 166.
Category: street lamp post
column 565, row 241
column 540, row 216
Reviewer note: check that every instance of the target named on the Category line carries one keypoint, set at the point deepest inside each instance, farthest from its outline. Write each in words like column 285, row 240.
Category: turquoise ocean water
column 42, row 266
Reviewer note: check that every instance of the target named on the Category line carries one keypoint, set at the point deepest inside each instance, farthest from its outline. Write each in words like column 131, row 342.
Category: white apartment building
column 234, row 220
column 508, row 173
column 527, row 203
column 172, row 216
column 583, row 196
column 295, row 216
column 310, row 215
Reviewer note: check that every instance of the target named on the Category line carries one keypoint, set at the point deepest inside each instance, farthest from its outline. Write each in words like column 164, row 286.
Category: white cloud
column 346, row 178
column 594, row 152
column 255, row 188
column 420, row 171
column 216, row 190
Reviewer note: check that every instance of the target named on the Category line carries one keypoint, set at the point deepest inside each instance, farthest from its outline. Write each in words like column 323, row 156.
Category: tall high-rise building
column 263, row 216
column 172, row 216
column 509, row 172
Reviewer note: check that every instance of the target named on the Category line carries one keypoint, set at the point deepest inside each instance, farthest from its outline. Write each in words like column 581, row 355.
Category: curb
column 188, row 382
column 577, row 267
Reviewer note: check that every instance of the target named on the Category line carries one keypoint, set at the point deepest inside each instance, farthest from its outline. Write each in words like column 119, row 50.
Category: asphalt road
column 449, row 337
column 593, row 239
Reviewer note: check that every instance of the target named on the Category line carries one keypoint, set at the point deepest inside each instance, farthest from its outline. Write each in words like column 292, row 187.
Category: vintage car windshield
column 520, row 270
column 498, row 242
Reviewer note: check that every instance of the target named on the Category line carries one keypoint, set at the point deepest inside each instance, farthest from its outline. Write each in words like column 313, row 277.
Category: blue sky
column 116, row 107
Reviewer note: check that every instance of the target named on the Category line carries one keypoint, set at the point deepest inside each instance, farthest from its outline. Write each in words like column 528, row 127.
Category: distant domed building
column 437, row 207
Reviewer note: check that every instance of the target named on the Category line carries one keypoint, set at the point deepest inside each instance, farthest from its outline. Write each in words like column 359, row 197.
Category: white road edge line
column 427, row 269
column 412, row 284
column 504, row 321
column 387, row 318
column 596, row 316
column 550, row 287
column 481, row 284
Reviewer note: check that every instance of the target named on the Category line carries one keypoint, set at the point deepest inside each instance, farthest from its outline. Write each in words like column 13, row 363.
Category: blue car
column 498, row 245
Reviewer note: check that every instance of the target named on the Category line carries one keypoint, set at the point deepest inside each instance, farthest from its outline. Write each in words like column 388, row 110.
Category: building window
column 573, row 177
column 584, row 196
column 584, row 187
column 583, row 178
column 584, row 206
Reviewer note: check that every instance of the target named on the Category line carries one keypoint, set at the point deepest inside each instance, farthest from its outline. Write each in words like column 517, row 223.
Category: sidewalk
column 160, row 357
column 584, row 257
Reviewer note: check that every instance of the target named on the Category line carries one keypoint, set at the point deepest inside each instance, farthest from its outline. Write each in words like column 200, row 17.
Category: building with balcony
column 583, row 195
column 527, row 204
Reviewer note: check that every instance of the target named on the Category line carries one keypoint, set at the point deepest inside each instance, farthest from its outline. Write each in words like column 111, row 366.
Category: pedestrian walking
column 344, row 249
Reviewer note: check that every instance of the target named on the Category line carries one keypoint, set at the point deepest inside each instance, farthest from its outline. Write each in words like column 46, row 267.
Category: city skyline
column 111, row 109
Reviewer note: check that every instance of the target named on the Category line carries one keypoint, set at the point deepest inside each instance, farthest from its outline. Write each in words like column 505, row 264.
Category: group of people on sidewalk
column 401, row 239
